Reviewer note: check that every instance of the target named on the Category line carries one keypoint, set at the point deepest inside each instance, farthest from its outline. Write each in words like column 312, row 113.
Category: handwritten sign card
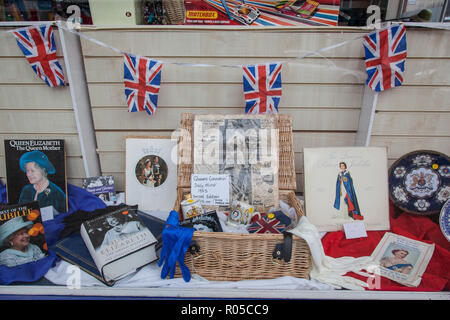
column 211, row 189
column 355, row 230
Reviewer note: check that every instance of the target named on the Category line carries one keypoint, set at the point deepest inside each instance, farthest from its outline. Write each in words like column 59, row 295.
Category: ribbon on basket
column 176, row 240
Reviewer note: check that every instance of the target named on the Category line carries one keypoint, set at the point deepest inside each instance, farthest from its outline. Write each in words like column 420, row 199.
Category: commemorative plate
column 419, row 182
column 444, row 220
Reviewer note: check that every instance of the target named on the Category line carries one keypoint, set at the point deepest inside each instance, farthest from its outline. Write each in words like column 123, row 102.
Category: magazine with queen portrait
column 22, row 237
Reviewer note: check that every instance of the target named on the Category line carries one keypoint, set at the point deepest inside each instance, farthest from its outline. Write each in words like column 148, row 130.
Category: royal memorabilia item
column 246, row 148
column 151, row 173
column 207, row 222
column 102, row 186
column 142, row 80
column 385, row 51
column 262, row 87
column 73, row 249
column 273, row 222
column 444, row 220
column 191, row 207
column 38, row 45
column 22, row 236
column 228, row 256
column 242, row 213
column 36, row 170
column 211, row 189
column 119, row 243
column 419, row 182
column 346, row 184
column 402, row 259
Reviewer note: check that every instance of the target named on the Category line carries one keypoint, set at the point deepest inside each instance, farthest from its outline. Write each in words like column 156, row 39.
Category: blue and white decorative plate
column 444, row 220
column 419, row 182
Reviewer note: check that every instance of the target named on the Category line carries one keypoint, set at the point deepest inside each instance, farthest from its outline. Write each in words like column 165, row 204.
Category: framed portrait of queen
column 346, row 184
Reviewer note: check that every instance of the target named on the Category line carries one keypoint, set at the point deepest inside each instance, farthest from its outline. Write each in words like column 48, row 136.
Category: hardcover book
column 22, row 238
column 102, row 186
column 36, row 171
column 73, row 249
column 119, row 243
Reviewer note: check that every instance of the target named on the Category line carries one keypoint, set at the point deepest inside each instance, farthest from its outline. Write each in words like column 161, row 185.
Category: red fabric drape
column 437, row 274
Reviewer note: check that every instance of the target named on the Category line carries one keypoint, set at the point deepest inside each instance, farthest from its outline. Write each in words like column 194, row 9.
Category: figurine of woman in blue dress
column 347, row 193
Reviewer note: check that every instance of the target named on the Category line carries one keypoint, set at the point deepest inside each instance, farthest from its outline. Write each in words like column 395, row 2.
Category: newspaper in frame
column 401, row 259
column 246, row 148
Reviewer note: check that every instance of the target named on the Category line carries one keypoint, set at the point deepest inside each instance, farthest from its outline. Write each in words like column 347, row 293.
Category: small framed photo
column 151, row 173
column 402, row 259
column 344, row 185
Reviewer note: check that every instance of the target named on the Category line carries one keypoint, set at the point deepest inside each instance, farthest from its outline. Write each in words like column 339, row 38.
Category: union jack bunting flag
column 276, row 222
column 262, row 87
column 385, row 57
column 142, row 79
column 38, row 45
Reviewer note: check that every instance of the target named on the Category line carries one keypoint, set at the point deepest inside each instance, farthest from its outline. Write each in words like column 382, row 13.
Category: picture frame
column 344, row 185
column 151, row 173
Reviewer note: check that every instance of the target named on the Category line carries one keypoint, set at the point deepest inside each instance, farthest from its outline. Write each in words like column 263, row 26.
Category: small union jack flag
column 385, row 57
column 38, row 45
column 275, row 222
column 142, row 79
column 262, row 87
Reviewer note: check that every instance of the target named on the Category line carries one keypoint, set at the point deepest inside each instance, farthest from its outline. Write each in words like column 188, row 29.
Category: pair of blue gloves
column 176, row 241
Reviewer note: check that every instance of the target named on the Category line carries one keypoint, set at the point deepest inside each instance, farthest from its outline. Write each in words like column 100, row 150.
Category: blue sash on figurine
column 79, row 199
column 176, row 241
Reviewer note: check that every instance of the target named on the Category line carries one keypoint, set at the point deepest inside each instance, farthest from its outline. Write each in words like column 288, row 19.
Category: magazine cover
column 102, row 186
column 36, row 171
column 22, row 237
column 346, row 184
column 402, row 259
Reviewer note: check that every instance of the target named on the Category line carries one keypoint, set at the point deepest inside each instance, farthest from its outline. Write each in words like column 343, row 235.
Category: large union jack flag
column 38, row 45
column 262, row 87
column 142, row 79
column 385, row 57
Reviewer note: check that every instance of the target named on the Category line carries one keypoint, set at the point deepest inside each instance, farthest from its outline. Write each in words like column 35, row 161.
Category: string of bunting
column 385, row 56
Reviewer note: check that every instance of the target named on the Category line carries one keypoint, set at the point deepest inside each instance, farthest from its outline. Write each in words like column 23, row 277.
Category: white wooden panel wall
column 323, row 93
column 416, row 116
column 30, row 109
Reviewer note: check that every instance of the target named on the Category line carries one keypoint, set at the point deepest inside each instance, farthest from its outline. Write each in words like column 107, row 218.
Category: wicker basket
column 175, row 10
column 229, row 256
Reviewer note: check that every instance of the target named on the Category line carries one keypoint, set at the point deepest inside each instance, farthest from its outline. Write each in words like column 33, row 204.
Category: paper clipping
column 244, row 147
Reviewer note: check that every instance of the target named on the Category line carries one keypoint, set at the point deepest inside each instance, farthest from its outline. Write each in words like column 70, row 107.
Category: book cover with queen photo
column 119, row 243
column 36, row 171
column 22, row 236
